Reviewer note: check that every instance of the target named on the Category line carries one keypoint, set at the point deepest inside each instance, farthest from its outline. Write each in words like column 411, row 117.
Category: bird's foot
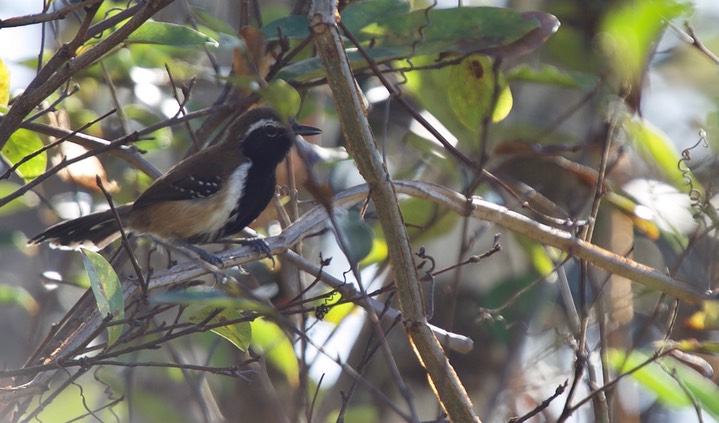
column 259, row 244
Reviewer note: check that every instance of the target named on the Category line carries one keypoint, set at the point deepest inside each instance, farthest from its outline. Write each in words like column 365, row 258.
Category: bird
column 205, row 198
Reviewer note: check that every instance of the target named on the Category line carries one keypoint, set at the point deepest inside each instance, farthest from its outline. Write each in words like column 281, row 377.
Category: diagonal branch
column 49, row 80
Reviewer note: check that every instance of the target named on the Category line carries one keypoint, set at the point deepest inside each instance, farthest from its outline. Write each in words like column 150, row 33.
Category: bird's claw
column 259, row 244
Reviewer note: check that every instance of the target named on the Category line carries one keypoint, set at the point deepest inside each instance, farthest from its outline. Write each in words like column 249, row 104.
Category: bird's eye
column 272, row 130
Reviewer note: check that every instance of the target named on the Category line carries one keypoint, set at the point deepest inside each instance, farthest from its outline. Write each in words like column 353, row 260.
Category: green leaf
column 429, row 89
column 551, row 75
column 107, row 290
column 292, row 27
column 657, row 379
column 629, row 33
column 362, row 13
column 22, row 143
column 211, row 298
column 355, row 17
column 538, row 255
column 240, row 334
column 272, row 341
column 4, row 84
column 282, row 97
column 651, row 376
column 214, row 23
column 425, row 220
column 471, row 85
column 456, row 30
column 18, row 295
column 164, row 33
column 169, row 34
column 704, row 390
column 655, row 147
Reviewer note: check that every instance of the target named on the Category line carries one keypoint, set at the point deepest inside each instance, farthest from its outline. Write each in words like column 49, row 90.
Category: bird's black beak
column 305, row 129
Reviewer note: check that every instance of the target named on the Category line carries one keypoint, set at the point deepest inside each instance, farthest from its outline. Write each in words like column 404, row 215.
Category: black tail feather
column 94, row 231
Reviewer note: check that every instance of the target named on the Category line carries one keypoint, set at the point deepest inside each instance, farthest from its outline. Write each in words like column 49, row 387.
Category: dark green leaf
column 358, row 235
column 457, row 30
column 107, row 290
column 355, row 17
column 362, row 13
column 292, row 27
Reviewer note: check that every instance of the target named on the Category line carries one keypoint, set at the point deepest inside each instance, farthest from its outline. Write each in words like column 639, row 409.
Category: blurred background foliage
column 628, row 84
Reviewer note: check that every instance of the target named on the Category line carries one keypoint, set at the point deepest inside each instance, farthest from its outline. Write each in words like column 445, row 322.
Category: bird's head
column 264, row 137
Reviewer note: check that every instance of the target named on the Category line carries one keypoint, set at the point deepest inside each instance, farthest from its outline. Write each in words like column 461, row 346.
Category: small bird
column 205, row 198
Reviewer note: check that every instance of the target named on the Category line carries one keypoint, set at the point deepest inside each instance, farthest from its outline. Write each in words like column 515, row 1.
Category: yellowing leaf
column 274, row 344
column 240, row 334
column 4, row 84
column 706, row 319
column 22, row 144
column 338, row 312
column 471, row 86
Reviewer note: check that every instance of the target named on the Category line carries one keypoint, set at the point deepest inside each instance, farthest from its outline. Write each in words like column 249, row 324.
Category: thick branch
column 449, row 389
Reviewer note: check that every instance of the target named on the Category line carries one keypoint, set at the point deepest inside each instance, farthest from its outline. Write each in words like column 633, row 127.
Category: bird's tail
column 94, row 231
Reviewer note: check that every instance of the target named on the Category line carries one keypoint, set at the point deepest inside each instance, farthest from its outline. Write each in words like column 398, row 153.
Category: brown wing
column 199, row 176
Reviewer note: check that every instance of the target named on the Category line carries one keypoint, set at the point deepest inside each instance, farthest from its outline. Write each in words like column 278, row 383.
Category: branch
column 84, row 322
column 48, row 80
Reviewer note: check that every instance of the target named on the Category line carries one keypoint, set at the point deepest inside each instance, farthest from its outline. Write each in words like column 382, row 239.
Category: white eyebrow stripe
column 260, row 123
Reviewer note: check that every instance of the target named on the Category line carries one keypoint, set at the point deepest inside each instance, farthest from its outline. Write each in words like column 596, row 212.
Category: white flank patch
column 232, row 191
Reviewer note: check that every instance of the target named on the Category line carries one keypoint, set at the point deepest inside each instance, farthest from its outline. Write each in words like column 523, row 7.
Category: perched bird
column 205, row 198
